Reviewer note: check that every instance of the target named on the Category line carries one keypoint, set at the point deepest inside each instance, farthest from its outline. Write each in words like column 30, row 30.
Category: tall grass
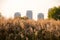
column 28, row 29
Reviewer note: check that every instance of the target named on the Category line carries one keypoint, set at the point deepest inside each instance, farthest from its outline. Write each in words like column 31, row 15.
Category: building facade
column 29, row 14
column 17, row 14
column 40, row 16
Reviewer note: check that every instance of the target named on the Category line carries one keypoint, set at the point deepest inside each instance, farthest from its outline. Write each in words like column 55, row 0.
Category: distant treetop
column 54, row 13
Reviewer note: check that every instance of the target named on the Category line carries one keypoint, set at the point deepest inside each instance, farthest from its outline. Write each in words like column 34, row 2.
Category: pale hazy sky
column 9, row 7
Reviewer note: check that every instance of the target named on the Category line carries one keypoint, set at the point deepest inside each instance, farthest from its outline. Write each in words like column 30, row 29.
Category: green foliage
column 0, row 14
column 54, row 13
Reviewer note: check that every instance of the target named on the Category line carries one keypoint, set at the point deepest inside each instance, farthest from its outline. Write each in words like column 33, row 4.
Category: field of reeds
column 29, row 29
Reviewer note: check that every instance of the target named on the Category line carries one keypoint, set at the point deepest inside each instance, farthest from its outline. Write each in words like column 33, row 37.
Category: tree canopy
column 54, row 13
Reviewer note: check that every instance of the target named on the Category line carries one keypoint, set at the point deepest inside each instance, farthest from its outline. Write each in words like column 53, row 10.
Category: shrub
column 18, row 29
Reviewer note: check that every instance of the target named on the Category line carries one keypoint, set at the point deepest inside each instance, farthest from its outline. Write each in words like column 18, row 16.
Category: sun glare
column 9, row 7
